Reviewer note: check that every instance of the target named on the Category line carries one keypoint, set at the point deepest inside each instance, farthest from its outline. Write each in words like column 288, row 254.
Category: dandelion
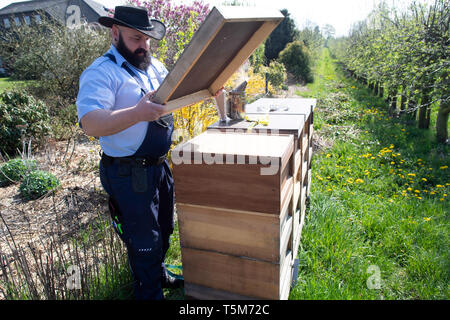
column 392, row 162
column 432, row 193
column 427, row 219
column 409, row 189
column 411, row 174
column 420, row 198
column 359, row 181
column 416, row 191
column 439, row 186
column 424, row 179
column 391, row 146
column 443, row 167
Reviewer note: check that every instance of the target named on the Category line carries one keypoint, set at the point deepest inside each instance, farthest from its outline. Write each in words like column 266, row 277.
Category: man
column 114, row 103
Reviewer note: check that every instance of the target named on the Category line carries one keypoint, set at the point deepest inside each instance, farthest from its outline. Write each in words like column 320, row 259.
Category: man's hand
column 146, row 110
column 102, row 122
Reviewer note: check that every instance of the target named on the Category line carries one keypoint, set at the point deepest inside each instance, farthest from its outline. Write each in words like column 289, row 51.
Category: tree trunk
column 393, row 105
column 442, row 123
column 402, row 101
column 375, row 88
column 381, row 91
column 424, row 111
column 422, row 117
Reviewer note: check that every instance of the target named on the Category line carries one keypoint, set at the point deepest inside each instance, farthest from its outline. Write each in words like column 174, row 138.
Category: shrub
column 37, row 183
column 182, row 20
column 276, row 73
column 52, row 54
column 21, row 116
column 14, row 170
column 258, row 59
column 283, row 34
column 297, row 60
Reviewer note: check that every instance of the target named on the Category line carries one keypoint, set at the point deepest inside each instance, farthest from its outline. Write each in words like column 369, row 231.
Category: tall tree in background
column 280, row 37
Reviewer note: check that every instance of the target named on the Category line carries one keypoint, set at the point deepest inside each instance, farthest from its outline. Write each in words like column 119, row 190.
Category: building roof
column 55, row 8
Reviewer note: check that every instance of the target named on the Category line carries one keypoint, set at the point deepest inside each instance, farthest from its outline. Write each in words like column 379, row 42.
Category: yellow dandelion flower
column 359, row 181
column 411, row 174
column 424, row 179
column 439, row 186
column 427, row 219
column 432, row 193
column 416, row 191
column 420, row 198
column 391, row 146
column 443, row 167
column 409, row 189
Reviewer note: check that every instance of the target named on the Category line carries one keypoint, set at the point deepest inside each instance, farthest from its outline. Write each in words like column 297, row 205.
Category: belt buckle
column 141, row 161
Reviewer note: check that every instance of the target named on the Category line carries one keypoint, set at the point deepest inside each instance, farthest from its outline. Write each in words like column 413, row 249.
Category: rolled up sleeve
column 96, row 91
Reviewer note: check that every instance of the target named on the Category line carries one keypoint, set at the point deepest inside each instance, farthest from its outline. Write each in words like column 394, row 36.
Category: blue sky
column 341, row 14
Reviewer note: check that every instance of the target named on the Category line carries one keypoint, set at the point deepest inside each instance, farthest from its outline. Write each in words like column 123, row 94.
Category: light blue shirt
column 107, row 85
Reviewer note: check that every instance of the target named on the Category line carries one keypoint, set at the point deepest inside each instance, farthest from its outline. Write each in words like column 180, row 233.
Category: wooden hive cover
column 248, row 172
column 282, row 106
column 224, row 41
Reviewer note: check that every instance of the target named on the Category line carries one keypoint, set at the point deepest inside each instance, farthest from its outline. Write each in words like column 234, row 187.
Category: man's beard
column 139, row 61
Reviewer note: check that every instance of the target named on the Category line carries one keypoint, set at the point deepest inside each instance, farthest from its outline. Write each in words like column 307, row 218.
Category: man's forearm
column 102, row 122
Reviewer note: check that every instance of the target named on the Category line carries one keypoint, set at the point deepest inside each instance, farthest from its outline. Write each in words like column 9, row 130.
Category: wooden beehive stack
column 234, row 196
column 285, row 116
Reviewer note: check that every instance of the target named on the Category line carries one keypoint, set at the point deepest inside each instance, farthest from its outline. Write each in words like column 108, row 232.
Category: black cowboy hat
column 136, row 18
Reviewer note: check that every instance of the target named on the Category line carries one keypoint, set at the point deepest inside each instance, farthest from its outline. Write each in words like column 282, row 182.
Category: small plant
column 37, row 183
column 15, row 169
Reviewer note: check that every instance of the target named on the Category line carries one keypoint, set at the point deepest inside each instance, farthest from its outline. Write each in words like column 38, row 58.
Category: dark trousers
column 146, row 217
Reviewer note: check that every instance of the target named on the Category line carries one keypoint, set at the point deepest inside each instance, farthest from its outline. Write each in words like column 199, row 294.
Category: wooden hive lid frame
column 224, row 41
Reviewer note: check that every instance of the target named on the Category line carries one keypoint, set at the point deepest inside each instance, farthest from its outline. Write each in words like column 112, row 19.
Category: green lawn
column 7, row 83
column 379, row 204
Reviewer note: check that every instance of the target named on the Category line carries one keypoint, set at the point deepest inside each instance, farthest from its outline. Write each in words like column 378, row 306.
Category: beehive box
column 234, row 196
column 294, row 107
column 283, row 122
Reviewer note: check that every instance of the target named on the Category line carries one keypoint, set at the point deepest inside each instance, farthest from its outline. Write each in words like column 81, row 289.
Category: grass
column 379, row 206
column 7, row 83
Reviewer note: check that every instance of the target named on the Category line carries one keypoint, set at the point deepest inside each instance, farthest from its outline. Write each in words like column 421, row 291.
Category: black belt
column 133, row 160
